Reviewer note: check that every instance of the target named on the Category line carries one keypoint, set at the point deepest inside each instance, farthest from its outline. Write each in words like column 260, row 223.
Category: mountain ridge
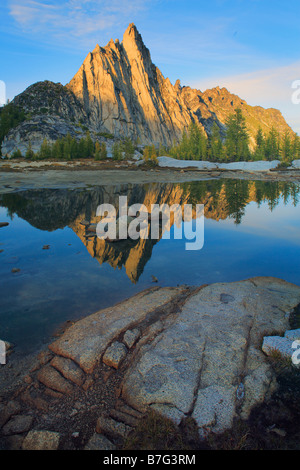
column 119, row 91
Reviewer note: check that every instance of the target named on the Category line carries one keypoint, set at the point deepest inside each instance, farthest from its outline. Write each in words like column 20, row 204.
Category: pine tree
column 67, row 147
column 100, row 151
column 296, row 147
column 215, row 150
column 117, row 151
column 57, row 149
column 259, row 153
column 237, row 139
column 272, row 145
column 82, row 150
column 286, row 148
column 45, row 152
column 128, row 148
column 89, row 146
column 153, row 154
column 146, row 154
column 29, row 155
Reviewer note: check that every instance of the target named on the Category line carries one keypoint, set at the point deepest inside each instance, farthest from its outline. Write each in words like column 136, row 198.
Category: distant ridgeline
column 120, row 100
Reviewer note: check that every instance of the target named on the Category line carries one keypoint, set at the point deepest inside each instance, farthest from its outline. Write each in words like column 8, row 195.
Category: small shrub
column 154, row 432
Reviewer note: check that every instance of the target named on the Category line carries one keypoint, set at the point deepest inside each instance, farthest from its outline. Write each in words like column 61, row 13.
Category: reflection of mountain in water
column 222, row 199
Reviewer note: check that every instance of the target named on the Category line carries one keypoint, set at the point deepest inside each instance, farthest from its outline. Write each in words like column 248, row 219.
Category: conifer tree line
column 195, row 145
column 66, row 148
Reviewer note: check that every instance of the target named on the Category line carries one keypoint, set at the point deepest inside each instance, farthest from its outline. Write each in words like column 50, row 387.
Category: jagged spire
column 131, row 31
column 132, row 37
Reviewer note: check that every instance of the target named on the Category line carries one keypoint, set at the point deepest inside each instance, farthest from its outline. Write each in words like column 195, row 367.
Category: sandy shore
column 17, row 176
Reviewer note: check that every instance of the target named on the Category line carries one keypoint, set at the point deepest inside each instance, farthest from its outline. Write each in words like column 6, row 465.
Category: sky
column 249, row 46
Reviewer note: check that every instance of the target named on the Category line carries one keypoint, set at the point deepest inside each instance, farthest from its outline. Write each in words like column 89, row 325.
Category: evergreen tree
column 259, row 152
column 286, row 148
column 146, row 154
column 237, row 139
column 67, row 147
column 57, row 149
column 117, row 151
column 215, row 151
column 89, row 146
column 153, row 154
column 162, row 150
column 97, row 154
column 193, row 144
column 296, row 147
column 150, row 154
column 272, row 145
column 45, row 151
column 29, row 155
column 128, row 148
column 100, row 151
column 82, row 150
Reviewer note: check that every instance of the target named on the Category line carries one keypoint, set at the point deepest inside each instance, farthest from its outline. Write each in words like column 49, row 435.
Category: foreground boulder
column 180, row 351
column 206, row 362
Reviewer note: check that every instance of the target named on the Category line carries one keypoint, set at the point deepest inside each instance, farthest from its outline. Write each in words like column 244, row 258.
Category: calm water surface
column 251, row 229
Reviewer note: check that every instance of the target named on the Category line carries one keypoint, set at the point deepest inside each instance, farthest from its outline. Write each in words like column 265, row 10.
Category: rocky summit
column 119, row 92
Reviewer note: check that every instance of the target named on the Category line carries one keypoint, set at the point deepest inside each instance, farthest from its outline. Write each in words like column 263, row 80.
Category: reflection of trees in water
column 232, row 196
column 51, row 209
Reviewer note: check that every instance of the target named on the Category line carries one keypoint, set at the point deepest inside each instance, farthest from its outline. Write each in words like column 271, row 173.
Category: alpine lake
column 53, row 271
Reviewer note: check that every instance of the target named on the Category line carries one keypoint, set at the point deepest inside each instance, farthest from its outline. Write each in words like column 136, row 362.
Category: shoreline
column 43, row 175
column 145, row 355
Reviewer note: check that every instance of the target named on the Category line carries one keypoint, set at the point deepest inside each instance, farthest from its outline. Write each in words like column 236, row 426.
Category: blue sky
column 249, row 46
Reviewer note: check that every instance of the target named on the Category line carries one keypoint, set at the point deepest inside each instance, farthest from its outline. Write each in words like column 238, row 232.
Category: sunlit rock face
column 124, row 93
column 118, row 90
